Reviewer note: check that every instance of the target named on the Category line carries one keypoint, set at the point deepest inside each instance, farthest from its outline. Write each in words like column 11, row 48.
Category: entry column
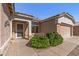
column 30, row 28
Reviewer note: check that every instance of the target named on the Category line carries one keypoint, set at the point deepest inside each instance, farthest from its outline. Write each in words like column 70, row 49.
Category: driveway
column 74, row 52
column 18, row 47
column 74, row 40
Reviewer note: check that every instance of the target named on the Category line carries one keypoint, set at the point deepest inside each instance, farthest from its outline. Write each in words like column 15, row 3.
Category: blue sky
column 45, row 10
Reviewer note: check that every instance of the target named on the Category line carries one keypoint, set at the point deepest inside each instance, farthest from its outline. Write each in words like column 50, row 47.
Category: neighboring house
column 15, row 25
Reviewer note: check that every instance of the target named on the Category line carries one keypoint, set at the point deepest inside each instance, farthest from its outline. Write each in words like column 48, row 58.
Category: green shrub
column 51, row 39
column 39, row 42
column 54, row 38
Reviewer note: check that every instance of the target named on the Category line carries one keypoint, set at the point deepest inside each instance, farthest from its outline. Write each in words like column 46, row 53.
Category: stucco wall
column 65, row 20
column 65, row 30
column 5, row 24
column 48, row 26
column 0, row 25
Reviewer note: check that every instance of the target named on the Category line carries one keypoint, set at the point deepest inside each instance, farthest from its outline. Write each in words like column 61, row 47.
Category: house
column 62, row 23
column 13, row 25
column 16, row 25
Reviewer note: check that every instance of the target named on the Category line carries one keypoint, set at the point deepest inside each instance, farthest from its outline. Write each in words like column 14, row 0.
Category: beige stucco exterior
column 63, row 25
column 65, row 20
column 5, row 27
column 65, row 30
column 48, row 26
column 0, row 25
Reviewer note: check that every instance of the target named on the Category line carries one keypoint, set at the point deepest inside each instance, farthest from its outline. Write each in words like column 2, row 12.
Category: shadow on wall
column 76, row 30
column 6, row 11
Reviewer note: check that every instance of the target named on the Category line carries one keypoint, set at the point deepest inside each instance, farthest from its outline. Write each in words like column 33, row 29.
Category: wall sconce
column 7, row 23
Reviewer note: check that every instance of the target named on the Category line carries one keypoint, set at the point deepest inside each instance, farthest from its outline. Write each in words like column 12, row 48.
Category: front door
column 19, row 31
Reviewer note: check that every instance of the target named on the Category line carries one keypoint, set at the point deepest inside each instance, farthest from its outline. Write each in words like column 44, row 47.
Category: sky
column 45, row 10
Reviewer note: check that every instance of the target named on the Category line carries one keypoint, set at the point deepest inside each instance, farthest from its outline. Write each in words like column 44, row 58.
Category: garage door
column 64, row 31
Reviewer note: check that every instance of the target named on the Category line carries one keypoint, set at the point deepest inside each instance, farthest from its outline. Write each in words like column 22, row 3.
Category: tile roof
column 26, row 16
column 60, row 15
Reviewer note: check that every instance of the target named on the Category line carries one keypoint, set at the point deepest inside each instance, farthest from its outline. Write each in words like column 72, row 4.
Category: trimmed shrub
column 54, row 38
column 39, row 42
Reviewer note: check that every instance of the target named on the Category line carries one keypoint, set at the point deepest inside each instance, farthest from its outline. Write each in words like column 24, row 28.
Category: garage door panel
column 63, row 30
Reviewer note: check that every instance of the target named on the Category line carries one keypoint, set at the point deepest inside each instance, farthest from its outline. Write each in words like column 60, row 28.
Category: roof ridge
column 59, row 15
column 24, row 14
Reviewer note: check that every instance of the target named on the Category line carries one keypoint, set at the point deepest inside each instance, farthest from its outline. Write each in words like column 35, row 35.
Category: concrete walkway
column 74, row 52
column 18, row 47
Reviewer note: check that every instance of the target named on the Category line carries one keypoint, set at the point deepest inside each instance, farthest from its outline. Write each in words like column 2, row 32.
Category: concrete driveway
column 74, row 40
column 18, row 47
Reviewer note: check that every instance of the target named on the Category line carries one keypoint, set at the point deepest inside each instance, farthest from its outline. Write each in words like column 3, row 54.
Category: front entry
column 19, row 31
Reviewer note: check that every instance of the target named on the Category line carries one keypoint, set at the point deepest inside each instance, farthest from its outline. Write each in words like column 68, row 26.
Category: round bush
column 39, row 42
column 54, row 38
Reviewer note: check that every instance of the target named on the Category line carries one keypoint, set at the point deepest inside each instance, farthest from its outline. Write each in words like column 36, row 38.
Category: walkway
column 19, row 48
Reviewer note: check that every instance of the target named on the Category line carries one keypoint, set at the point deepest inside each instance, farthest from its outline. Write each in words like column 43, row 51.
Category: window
column 34, row 28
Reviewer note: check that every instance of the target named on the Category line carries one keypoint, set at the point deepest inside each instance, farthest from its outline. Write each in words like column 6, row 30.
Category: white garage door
column 64, row 31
